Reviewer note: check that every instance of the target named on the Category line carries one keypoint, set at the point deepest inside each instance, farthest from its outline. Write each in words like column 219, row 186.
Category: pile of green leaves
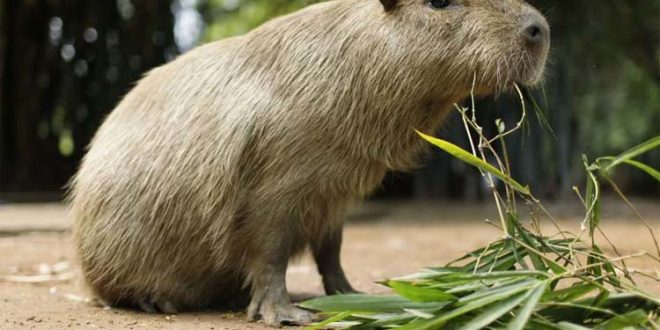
column 519, row 282
column 524, row 280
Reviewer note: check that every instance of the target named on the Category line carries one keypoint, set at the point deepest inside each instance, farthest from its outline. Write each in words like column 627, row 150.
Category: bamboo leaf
column 365, row 303
column 499, row 291
column 573, row 292
column 419, row 313
column 537, row 261
column 636, row 317
column 595, row 267
column 485, row 260
column 491, row 247
column 474, row 303
column 326, row 322
column 525, row 312
column 634, row 152
column 430, row 273
column 461, row 276
column 389, row 321
column 570, row 326
column 648, row 169
column 491, row 314
column 608, row 267
column 467, row 157
column 597, row 302
column 419, row 293
column 502, row 264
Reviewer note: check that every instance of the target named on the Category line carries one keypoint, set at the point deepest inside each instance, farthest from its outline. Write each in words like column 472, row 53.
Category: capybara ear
column 389, row 4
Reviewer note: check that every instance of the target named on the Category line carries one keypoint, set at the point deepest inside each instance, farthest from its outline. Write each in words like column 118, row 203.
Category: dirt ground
column 381, row 240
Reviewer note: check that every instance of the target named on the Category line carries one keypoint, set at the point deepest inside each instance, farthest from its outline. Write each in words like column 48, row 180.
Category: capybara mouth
column 526, row 70
column 534, row 72
column 532, row 77
column 505, row 80
column 523, row 68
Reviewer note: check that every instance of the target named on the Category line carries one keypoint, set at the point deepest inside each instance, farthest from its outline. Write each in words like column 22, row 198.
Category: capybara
column 220, row 166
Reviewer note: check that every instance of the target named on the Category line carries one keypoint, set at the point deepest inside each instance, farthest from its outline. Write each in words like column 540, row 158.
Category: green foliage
column 607, row 164
column 467, row 157
column 525, row 280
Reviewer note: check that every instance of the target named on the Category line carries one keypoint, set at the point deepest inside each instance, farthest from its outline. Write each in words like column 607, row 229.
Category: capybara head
column 493, row 43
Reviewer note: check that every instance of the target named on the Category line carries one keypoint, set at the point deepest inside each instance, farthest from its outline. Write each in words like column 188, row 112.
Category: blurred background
column 64, row 64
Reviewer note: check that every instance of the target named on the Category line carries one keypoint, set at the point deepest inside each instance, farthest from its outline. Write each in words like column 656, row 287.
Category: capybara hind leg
column 327, row 256
column 270, row 300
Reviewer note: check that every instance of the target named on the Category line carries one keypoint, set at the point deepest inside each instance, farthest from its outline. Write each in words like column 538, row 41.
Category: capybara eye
column 439, row 4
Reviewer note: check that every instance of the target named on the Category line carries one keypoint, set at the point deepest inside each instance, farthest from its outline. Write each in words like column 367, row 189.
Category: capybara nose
column 536, row 30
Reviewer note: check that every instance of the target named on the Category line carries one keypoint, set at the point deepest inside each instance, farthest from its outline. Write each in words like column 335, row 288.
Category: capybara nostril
column 534, row 33
column 536, row 30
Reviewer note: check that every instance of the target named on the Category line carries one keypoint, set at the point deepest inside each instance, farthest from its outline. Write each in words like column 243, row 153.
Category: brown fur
column 248, row 149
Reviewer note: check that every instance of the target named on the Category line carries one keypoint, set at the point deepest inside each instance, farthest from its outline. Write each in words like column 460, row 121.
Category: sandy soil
column 382, row 240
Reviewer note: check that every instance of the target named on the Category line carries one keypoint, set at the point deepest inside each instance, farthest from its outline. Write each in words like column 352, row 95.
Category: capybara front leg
column 327, row 256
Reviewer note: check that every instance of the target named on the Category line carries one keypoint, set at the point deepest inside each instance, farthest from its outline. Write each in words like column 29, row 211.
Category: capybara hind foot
column 157, row 306
column 277, row 314
column 270, row 300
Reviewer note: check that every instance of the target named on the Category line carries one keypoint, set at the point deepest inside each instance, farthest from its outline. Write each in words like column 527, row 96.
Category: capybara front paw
column 279, row 314
column 337, row 284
